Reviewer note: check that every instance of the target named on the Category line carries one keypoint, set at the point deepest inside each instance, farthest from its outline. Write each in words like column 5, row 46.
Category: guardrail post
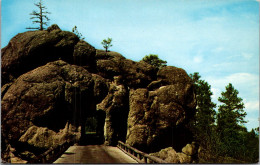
column 138, row 156
column 43, row 160
column 145, row 159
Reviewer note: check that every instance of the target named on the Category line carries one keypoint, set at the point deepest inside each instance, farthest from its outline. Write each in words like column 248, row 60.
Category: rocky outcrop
column 190, row 149
column 84, row 55
column 52, row 82
column 48, row 96
column 134, row 74
column 171, row 156
column 42, row 137
column 29, row 50
column 116, row 107
column 157, row 118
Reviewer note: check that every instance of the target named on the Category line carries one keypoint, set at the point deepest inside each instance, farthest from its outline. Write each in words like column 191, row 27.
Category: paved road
column 94, row 154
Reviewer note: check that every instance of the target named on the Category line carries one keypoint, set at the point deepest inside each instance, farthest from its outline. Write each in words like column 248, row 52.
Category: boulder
column 42, row 137
column 184, row 158
column 29, row 50
column 163, row 114
column 53, row 27
column 172, row 75
column 139, row 119
column 101, row 87
column 115, row 105
column 49, row 97
column 190, row 149
column 4, row 89
column 171, row 156
column 134, row 74
column 167, row 154
column 84, row 55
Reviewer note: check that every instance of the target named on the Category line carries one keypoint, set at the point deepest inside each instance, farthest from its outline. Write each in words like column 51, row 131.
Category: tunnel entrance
column 94, row 128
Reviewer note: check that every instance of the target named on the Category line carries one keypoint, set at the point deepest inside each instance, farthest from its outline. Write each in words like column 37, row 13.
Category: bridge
column 123, row 153
column 91, row 154
column 94, row 154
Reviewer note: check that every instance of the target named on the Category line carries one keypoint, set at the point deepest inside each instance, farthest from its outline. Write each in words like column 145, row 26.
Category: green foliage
column 231, row 113
column 40, row 17
column 154, row 60
column 203, row 123
column 227, row 140
column 91, row 124
column 107, row 43
column 75, row 31
column 251, row 147
column 229, row 123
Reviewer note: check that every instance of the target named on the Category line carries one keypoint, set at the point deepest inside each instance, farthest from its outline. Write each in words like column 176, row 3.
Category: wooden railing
column 139, row 156
column 51, row 154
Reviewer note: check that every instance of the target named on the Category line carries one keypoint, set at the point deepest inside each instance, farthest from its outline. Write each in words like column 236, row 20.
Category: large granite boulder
column 115, row 105
column 171, row 156
column 157, row 119
column 31, row 49
column 134, row 74
column 49, row 96
column 84, row 55
column 172, row 75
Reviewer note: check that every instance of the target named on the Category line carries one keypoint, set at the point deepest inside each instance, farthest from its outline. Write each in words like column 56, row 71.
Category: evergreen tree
column 230, row 118
column 154, row 60
column 107, row 43
column 40, row 17
column 205, row 115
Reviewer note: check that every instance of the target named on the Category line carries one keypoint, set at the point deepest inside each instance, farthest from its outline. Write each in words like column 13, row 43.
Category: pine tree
column 154, row 60
column 205, row 116
column 107, row 43
column 39, row 17
column 230, row 118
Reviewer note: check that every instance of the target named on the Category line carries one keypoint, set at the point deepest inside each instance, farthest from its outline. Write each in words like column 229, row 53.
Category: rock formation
column 157, row 118
column 187, row 155
column 52, row 82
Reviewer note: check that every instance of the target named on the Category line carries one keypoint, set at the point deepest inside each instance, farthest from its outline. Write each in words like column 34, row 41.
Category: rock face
column 49, row 96
column 134, row 74
column 32, row 49
column 52, row 82
column 115, row 106
column 157, row 118
column 171, row 156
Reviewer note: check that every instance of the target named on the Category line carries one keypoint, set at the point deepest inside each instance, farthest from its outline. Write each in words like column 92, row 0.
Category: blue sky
column 217, row 38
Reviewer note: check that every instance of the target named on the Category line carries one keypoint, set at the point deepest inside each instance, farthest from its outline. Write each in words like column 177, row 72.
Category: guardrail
column 139, row 156
column 51, row 154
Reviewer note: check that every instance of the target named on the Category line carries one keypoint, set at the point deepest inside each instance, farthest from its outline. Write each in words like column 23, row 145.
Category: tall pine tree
column 230, row 118
column 204, row 120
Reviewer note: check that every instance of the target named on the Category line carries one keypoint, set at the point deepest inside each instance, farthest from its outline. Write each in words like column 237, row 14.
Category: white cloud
column 243, row 80
column 218, row 49
column 247, row 55
column 251, row 105
column 246, row 83
column 252, row 122
column 198, row 59
column 216, row 93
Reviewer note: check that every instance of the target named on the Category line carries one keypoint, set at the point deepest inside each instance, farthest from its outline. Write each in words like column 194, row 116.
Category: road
column 94, row 154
